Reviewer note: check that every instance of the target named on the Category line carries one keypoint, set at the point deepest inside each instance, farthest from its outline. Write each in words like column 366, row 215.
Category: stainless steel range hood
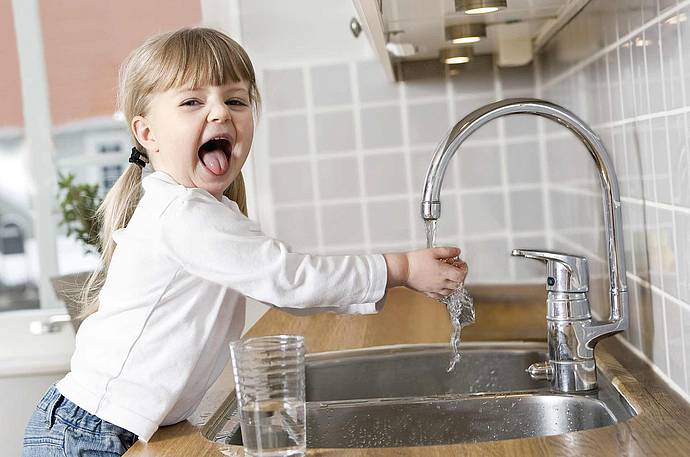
column 512, row 34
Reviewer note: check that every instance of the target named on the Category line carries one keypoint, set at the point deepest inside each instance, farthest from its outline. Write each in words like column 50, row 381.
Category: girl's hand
column 434, row 272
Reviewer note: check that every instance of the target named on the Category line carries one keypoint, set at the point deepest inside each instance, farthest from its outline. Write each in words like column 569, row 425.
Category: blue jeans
column 58, row 427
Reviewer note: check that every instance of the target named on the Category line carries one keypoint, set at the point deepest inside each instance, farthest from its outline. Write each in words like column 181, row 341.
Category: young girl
column 179, row 256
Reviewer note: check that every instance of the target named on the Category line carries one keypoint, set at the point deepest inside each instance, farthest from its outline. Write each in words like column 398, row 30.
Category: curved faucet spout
column 431, row 202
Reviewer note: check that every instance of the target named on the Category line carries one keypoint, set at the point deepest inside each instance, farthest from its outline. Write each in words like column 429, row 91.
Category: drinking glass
column 269, row 382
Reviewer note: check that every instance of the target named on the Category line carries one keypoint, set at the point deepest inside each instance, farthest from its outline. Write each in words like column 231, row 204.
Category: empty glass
column 269, row 381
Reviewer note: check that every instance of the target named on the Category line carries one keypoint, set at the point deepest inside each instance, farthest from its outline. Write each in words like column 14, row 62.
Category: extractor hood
column 511, row 34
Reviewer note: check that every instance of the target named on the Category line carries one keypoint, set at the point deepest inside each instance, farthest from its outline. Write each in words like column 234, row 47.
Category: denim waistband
column 49, row 401
column 73, row 414
column 49, row 398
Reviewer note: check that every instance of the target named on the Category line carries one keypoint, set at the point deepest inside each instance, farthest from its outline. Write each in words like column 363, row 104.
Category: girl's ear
column 144, row 134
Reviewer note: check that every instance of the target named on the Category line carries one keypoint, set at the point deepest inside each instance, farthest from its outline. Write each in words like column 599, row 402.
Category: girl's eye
column 190, row 103
column 236, row 102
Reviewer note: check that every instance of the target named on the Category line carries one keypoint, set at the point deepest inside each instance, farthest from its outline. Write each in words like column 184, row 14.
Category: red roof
column 84, row 43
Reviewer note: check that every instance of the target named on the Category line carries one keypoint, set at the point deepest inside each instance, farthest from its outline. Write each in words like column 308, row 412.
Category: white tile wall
column 284, row 89
column 331, row 85
column 624, row 66
column 288, row 135
column 338, row 178
column 348, row 152
column 381, row 127
column 335, row 131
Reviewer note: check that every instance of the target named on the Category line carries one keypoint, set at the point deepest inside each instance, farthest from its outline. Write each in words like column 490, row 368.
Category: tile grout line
column 649, row 147
column 459, row 203
column 684, row 91
column 359, row 154
column 543, row 159
column 664, row 101
column 503, row 151
column 657, row 244
column 395, row 149
column 311, row 129
column 639, row 201
column 487, row 236
column 393, row 197
column 630, row 120
column 407, row 160
column 422, row 100
column 625, row 151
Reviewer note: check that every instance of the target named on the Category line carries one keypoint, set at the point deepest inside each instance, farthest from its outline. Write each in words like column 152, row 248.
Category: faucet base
column 566, row 377
column 574, row 377
column 540, row 371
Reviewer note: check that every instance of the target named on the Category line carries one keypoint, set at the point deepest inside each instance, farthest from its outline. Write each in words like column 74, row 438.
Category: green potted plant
column 78, row 204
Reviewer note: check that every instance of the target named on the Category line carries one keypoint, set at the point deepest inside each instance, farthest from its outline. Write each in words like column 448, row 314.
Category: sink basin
column 396, row 423
column 413, row 371
column 403, row 396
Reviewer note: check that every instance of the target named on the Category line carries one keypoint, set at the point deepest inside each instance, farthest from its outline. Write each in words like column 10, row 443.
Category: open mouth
column 215, row 155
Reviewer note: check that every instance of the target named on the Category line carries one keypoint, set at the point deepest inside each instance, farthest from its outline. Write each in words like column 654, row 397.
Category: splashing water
column 461, row 310
column 459, row 303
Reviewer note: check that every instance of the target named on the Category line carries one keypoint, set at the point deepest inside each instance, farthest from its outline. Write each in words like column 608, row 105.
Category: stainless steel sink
column 420, row 370
column 425, row 421
column 402, row 396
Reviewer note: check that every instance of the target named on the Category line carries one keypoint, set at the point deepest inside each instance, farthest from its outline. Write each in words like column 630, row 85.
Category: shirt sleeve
column 212, row 241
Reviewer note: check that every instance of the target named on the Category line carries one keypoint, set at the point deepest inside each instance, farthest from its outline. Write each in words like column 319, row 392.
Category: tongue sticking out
column 215, row 161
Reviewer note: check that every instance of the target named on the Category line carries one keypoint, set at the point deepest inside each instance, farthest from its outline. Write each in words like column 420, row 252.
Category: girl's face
column 199, row 136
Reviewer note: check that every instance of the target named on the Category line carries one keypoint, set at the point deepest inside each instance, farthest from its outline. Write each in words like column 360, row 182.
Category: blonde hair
column 193, row 57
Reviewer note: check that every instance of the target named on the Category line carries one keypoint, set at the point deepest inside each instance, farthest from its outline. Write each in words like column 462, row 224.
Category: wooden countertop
column 504, row 313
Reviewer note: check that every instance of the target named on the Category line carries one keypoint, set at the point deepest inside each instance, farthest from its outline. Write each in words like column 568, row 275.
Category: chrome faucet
column 571, row 334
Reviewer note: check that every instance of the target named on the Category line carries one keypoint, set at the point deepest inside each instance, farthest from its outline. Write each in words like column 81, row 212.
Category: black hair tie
column 138, row 158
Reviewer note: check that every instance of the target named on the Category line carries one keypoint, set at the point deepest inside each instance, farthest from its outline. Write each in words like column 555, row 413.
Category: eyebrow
column 198, row 89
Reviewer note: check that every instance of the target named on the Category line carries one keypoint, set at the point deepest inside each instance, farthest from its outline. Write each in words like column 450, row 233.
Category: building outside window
column 110, row 175
column 11, row 239
column 107, row 148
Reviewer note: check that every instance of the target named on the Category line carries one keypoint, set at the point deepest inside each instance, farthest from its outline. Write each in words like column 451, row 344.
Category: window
column 108, row 148
column 110, row 175
column 11, row 239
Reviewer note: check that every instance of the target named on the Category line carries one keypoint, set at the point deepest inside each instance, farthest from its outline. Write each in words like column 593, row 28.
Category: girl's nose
column 219, row 112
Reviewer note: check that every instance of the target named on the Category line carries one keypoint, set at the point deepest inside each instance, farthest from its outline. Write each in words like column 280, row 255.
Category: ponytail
column 189, row 56
column 237, row 193
column 113, row 214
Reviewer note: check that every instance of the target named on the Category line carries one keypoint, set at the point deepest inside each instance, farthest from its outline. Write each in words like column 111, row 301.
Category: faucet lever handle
column 565, row 272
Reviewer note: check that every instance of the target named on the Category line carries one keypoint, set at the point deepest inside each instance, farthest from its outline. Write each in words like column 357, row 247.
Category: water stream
column 459, row 303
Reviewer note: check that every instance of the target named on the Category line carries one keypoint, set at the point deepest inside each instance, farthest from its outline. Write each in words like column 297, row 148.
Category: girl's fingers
column 445, row 252
column 434, row 295
column 454, row 273
column 460, row 265
column 451, row 284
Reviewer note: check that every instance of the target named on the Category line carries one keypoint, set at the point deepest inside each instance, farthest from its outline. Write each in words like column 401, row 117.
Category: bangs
column 201, row 57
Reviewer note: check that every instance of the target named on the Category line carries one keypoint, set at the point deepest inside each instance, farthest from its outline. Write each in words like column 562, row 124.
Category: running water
column 461, row 310
column 459, row 303
column 430, row 233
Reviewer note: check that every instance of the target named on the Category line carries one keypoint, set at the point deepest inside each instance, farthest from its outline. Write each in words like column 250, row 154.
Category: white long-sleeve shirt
column 174, row 298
